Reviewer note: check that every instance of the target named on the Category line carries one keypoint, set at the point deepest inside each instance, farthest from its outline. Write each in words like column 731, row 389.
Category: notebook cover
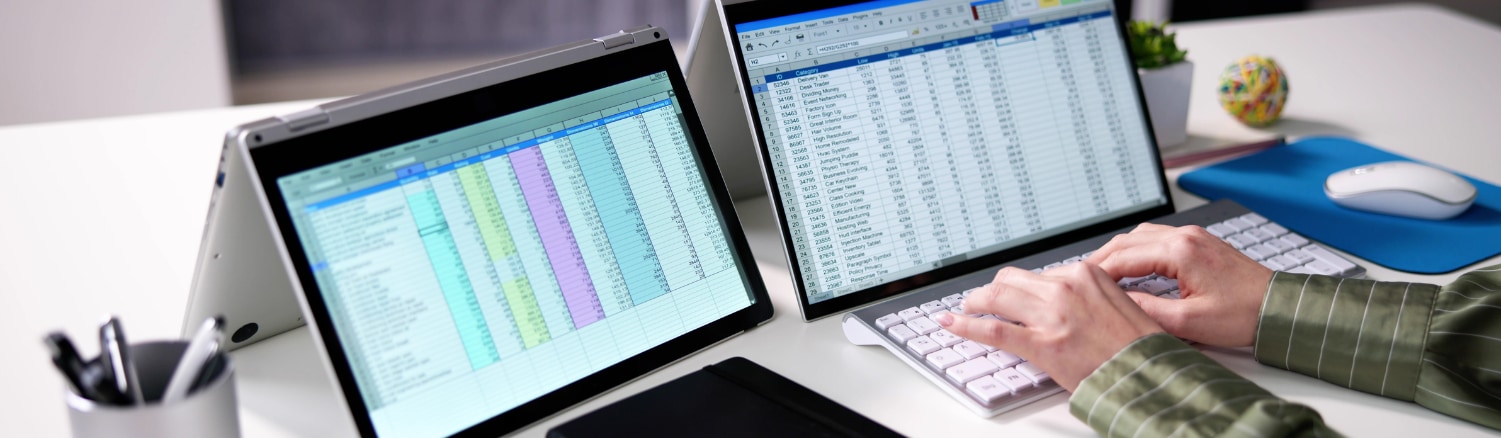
column 733, row 398
column 1286, row 184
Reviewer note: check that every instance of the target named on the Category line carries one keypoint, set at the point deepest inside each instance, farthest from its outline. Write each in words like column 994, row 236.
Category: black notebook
column 735, row 397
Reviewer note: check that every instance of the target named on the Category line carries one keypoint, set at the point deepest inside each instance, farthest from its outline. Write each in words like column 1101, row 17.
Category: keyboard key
column 923, row 326
column 1295, row 240
column 1033, row 372
column 1072, row 260
column 1254, row 219
column 934, row 316
column 946, row 338
column 1276, row 230
column 1241, row 241
column 1014, row 379
column 969, row 291
column 1285, row 261
column 1003, row 359
column 1220, row 230
column 1321, row 268
column 1239, row 224
column 945, row 358
column 988, row 389
column 971, row 370
column 1262, row 252
column 911, row 313
column 971, row 349
column 1299, row 256
column 932, row 307
column 1280, row 245
column 1272, row 266
column 901, row 333
column 885, row 322
column 1132, row 281
column 1157, row 287
column 1259, row 235
column 952, row 300
column 1341, row 265
column 923, row 345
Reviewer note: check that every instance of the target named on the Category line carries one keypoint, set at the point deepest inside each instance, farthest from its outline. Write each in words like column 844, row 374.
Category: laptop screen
column 903, row 137
column 474, row 270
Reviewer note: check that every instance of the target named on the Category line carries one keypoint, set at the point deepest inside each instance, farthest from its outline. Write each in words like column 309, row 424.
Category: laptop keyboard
column 990, row 381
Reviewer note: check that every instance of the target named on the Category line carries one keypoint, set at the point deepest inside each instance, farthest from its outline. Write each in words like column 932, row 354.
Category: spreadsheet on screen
column 474, row 270
column 906, row 136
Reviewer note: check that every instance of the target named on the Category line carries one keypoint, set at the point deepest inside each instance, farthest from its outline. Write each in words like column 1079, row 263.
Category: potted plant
column 1166, row 79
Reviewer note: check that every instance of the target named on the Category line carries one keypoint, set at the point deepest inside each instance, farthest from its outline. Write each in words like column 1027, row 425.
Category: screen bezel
column 301, row 153
column 749, row 11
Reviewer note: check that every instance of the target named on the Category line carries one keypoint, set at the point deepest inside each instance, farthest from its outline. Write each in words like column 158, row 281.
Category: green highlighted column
column 498, row 242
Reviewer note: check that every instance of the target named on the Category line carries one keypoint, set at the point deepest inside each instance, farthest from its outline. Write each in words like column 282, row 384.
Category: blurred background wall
column 65, row 59
column 289, row 49
column 69, row 59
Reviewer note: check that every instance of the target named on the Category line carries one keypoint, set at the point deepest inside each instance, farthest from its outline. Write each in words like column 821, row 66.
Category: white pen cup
column 210, row 411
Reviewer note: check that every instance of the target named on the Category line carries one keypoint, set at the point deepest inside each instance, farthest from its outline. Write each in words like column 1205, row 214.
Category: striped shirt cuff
column 1361, row 334
column 1158, row 386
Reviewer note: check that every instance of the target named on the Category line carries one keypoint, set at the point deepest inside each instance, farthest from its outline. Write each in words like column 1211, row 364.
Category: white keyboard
column 989, row 381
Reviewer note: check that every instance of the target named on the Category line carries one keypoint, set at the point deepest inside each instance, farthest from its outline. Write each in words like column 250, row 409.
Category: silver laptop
column 480, row 250
column 913, row 147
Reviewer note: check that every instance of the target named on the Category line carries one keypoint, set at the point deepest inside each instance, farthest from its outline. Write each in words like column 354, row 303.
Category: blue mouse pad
column 1286, row 184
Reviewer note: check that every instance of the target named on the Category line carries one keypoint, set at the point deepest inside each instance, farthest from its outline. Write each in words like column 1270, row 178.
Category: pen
column 195, row 359
column 115, row 353
column 1195, row 157
column 67, row 361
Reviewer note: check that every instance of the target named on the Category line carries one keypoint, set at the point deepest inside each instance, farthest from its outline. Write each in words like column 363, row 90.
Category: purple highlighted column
column 557, row 236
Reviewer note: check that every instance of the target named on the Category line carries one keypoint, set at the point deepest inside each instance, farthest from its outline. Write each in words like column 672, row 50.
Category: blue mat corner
column 1286, row 184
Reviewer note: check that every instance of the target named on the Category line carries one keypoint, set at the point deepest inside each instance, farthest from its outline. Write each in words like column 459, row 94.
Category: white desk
column 105, row 216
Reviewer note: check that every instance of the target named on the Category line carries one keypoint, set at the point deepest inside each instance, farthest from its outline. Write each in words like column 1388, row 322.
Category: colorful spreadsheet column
column 500, row 246
column 474, row 333
column 557, row 236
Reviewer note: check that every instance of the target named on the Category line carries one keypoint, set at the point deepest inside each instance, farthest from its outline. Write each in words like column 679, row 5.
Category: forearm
column 1159, row 386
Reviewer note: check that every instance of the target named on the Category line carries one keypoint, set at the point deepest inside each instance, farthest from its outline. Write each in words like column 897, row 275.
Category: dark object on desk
column 1285, row 184
column 735, row 397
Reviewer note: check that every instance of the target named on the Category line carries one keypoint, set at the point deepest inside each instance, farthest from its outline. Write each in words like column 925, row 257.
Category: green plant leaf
column 1152, row 46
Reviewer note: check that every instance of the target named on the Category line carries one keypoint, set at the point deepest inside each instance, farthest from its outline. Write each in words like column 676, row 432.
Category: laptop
column 911, row 148
column 481, row 250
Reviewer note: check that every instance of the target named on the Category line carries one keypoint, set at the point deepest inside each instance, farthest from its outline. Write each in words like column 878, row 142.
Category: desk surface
column 105, row 216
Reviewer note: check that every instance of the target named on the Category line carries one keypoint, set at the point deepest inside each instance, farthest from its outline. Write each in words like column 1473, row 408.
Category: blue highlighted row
column 418, row 172
column 1003, row 30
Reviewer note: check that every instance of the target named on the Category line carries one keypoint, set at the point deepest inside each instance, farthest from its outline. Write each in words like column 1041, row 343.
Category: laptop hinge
column 303, row 119
column 616, row 39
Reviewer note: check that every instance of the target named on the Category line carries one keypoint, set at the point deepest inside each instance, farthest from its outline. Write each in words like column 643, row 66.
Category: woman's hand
column 1071, row 319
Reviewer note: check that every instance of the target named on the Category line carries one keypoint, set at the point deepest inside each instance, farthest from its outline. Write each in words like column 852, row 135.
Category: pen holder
column 211, row 411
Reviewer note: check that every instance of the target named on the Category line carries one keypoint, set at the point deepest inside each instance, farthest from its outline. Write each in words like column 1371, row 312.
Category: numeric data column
column 927, row 155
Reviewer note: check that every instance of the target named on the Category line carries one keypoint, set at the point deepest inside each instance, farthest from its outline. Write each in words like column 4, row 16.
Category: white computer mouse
column 1401, row 188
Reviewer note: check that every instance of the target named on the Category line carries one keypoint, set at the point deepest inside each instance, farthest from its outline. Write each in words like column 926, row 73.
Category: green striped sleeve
column 1439, row 347
column 1160, row 386
column 1360, row 334
column 1461, row 368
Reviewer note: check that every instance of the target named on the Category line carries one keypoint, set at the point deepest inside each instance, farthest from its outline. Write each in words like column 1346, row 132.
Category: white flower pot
column 1167, row 90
